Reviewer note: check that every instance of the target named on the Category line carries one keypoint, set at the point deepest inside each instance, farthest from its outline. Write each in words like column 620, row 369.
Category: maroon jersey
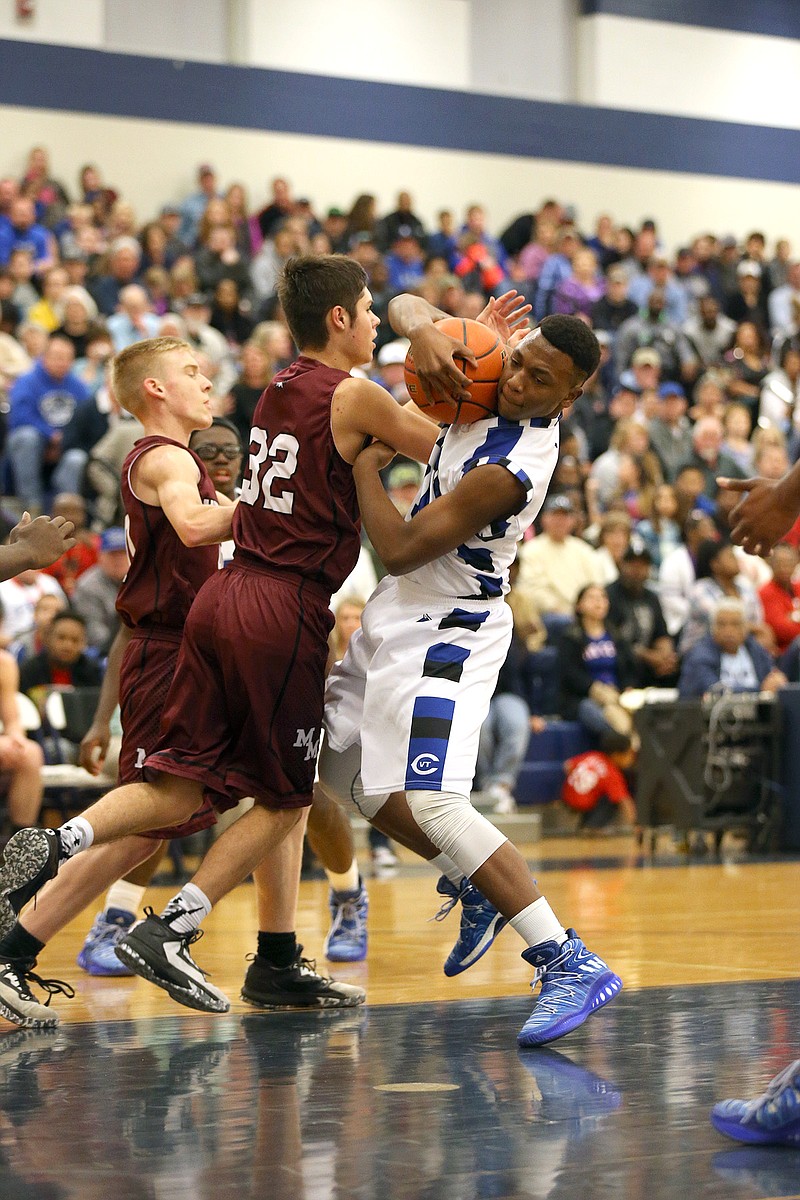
column 164, row 576
column 298, row 509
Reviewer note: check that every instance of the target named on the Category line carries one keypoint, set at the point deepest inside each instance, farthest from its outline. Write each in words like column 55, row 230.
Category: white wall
column 655, row 66
column 334, row 171
column 67, row 22
column 396, row 41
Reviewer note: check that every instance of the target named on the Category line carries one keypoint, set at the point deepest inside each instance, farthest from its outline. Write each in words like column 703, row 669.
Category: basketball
column 484, row 377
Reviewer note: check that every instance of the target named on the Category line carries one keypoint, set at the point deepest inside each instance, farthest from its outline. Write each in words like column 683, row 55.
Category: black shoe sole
column 279, row 1003
column 191, row 997
column 31, row 852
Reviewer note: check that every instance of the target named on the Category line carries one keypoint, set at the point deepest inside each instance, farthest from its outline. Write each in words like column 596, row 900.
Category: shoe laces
column 560, row 984
column 449, row 902
column 22, row 973
column 789, row 1076
column 346, row 913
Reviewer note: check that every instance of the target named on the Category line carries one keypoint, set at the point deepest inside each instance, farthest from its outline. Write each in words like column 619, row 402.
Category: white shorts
column 414, row 687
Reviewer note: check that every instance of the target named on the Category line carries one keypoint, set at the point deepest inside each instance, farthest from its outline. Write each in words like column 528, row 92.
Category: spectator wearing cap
column 194, row 205
column 651, row 327
column 402, row 217
column 670, row 431
column 555, row 565
column 42, row 404
column 659, row 275
column 124, row 262
column 443, row 242
column 646, row 368
column 403, row 481
column 615, row 307
column 555, row 270
column 135, row 320
column 170, row 221
column 404, row 262
column 749, row 301
column 391, row 369
column 728, row 658
column 635, row 617
column 220, row 360
column 678, row 571
column 334, row 226
column 710, row 332
column 709, row 457
column 95, row 593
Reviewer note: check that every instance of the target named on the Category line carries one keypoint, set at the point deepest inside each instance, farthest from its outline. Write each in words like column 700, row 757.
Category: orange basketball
column 491, row 355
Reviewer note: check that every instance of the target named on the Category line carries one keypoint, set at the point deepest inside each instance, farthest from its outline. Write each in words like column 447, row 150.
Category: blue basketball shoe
column 480, row 923
column 347, row 936
column 772, row 1119
column 97, row 956
column 575, row 983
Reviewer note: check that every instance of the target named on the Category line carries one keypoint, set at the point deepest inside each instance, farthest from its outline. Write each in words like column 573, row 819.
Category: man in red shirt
column 780, row 597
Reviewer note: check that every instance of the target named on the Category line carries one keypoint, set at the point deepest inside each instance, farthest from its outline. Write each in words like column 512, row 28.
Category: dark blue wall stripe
column 65, row 78
column 777, row 18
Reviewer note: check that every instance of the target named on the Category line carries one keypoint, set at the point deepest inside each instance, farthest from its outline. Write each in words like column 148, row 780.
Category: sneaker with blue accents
column 772, row 1119
column 480, row 923
column 575, row 983
column 347, row 936
column 98, row 955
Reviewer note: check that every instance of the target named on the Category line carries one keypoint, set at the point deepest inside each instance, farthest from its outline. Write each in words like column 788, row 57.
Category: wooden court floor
column 423, row 1093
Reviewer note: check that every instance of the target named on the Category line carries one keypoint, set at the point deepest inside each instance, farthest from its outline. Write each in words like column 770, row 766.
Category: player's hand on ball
column 434, row 353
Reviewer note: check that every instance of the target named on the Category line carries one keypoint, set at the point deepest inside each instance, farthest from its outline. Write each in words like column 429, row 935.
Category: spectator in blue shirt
column 19, row 231
column 42, row 403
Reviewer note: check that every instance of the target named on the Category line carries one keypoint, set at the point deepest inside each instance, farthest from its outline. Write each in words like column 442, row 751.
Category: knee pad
column 455, row 828
column 340, row 776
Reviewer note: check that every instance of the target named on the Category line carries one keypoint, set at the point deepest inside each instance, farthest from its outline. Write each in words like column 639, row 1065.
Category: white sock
column 538, row 923
column 74, row 836
column 186, row 910
column 445, row 866
column 125, row 896
column 348, row 882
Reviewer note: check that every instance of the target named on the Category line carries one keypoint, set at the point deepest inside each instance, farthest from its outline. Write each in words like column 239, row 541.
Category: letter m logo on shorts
column 310, row 739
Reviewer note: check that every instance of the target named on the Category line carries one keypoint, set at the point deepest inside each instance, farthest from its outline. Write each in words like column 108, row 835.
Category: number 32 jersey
column 298, row 509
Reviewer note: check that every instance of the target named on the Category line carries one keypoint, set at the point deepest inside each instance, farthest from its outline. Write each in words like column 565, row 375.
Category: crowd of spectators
column 629, row 563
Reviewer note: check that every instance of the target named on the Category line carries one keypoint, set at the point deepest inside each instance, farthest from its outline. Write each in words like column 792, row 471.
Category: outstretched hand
column 762, row 517
column 45, row 538
column 506, row 315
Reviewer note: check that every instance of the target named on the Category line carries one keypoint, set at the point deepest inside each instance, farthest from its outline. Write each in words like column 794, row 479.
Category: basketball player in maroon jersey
column 174, row 520
column 243, row 716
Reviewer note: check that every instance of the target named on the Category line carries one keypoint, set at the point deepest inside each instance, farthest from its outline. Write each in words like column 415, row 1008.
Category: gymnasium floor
column 423, row 1094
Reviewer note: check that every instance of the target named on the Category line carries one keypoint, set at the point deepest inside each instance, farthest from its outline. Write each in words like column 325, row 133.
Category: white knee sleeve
column 340, row 776
column 455, row 828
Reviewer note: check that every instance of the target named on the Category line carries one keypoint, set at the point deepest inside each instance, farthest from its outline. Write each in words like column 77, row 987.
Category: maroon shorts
column 244, row 713
column 144, row 681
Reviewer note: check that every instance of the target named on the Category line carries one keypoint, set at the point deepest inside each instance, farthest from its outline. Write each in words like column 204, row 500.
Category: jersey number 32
column 271, row 466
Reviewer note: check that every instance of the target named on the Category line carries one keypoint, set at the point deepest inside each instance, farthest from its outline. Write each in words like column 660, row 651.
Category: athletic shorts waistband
column 158, row 633
column 295, row 578
column 412, row 591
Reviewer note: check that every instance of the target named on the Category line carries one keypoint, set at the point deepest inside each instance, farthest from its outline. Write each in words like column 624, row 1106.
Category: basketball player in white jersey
column 415, row 684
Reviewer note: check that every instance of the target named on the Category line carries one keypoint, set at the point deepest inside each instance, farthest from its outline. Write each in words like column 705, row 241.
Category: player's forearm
column 16, row 558
column 407, row 313
column 204, row 524
column 109, row 690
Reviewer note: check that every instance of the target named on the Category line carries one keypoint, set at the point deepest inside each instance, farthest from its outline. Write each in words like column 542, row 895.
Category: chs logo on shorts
column 310, row 739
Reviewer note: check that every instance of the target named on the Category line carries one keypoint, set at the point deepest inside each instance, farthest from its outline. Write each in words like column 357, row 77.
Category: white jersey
column 529, row 450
